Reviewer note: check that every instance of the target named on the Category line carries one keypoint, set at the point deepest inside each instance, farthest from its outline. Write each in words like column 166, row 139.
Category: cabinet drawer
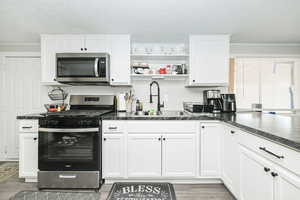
column 28, row 126
column 162, row 126
column 113, row 126
column 287, row 158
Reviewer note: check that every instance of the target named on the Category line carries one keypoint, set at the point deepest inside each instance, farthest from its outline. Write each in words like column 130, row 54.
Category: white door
column 210, row 150
column 256, row 179
column 287, row 185
column 144, row 155
column 28, row 155
column 97, row 43
column 120, row 60
column 113, row 155
column 247, row 82
column 230, row 155
column 179, row 155
column 21, row 93
column 209, row 59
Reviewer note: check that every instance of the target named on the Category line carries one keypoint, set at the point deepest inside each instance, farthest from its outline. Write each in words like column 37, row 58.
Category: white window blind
column 269, row 81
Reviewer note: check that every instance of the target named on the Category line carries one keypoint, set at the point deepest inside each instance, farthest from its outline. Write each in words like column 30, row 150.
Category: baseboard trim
column 174, row 181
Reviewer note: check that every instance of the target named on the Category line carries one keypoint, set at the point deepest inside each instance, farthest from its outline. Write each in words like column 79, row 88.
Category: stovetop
column 77, row 113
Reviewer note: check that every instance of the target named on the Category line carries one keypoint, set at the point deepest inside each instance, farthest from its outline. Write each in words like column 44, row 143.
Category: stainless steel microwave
column 82, row 68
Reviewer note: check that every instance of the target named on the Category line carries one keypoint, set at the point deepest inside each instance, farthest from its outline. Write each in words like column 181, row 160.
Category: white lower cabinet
column 262, row 179
column 231, row 160
column 144, row 155
column 113, row 155
column 210, row 148
column 256, row 179
column 28, row 156
column 287, row 185
column 179, row 155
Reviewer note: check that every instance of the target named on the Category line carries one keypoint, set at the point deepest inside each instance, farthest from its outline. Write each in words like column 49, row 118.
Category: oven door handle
column 68, row 130
column 96, row 67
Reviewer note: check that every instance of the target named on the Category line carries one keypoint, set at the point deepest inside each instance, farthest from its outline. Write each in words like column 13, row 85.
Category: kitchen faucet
column 158, row 96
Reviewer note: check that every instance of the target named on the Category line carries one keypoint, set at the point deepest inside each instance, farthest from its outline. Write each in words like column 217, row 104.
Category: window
column 273, row 82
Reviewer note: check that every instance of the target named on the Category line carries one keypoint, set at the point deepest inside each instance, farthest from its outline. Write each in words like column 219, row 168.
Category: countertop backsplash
column 173, row 93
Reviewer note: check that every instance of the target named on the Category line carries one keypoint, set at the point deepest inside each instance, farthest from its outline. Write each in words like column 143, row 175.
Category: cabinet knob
column 104, row 139
column 203, row 127
column 34, row 138
column 274, row 174
column 164, row 138
column 232, row 132
column 193, row 81
column 266, row 169
column 112, row 79
column 159, row 139
column 85, row 49
column 81, row 49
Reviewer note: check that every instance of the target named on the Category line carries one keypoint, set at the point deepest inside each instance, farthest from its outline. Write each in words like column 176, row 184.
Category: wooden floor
column 183, row 192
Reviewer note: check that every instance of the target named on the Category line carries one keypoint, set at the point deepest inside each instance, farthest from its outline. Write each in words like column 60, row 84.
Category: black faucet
column 158, row 96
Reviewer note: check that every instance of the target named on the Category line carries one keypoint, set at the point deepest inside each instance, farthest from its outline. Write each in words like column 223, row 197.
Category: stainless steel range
column 70, row 144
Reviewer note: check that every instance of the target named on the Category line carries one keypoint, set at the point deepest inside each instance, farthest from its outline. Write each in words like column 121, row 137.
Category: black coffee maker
column 228, row 103
column 213, row 97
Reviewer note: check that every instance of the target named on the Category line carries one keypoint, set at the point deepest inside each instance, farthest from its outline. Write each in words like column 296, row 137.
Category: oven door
column 76, row 67
column 69, row 149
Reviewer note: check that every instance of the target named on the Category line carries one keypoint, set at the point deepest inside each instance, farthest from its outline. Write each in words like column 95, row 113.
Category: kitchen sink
column 163, row 114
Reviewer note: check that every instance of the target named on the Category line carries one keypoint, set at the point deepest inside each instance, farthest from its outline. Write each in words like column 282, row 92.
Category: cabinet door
column 179, row 155
column 230, row 155
column 256, row 179
column 70, row 44
column 210, row 150
column 287, row 185
column 209, row 59
column 97, row 44
column 28, row 161
column 120, row 60
column 113, row 154
column 144, row 155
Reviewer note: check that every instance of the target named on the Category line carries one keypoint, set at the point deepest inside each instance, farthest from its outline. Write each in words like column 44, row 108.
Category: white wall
column 173, row 93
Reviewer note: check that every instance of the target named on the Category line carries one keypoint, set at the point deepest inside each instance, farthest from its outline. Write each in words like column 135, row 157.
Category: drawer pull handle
column 271, row 153
column 26, row 126
column 112, row 128
column 232, row 132
column 67, row 176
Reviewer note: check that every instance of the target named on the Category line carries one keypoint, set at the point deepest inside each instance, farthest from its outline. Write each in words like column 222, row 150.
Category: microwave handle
column 96, row 67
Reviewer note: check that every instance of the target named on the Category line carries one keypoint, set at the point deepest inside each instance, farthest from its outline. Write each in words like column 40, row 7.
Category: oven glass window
column 69, row 151
column 76, row 67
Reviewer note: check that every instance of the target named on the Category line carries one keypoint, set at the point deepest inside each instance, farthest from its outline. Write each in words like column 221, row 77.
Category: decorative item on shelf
column 57, row 94
column 139, row 68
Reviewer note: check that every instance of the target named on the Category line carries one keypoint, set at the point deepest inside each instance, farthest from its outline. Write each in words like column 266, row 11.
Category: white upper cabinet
column 118, row 46
column 120, row 59
column 209, row 60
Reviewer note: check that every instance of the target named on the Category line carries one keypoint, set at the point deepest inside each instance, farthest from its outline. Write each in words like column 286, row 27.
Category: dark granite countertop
column 284, row 130
column 281, row 129
column 31, row 116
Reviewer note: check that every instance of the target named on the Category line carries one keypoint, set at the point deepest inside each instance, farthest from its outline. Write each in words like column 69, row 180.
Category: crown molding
column 265, row 44
column 20, row 44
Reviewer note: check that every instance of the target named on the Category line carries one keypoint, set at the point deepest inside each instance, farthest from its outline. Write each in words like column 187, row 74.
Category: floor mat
column 142, row 191
column 7, row 170
column 39, row 195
